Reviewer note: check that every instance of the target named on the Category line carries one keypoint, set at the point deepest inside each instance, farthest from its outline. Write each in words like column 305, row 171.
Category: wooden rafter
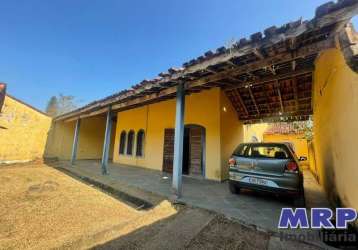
column 267, row 102
column 241, row 101
column 130, row 98
column 264, row 80
column 258, row 54
column 253, row 100
column 295, row 92
column 253, row 66
column 212, row 71
column 289, row 42
column 279, row 96
column 302, row 112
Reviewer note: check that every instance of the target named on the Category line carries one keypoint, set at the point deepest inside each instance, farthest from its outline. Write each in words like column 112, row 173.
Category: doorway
column 186, row 151
column 193, row 150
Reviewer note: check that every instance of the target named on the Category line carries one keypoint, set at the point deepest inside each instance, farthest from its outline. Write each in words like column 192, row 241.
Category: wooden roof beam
column 267, row 102
column 121, row 101
column 241, row 101
column 301, row 112
column 280, row 97
column 253, row 100
column 228, row 77
column 258, row 54
column 295, row 92
column 276, row 77
column 272, row 69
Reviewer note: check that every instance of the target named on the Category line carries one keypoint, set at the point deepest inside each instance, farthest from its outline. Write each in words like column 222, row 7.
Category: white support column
column 178, row 141
column 107, row 142
column 75, row 141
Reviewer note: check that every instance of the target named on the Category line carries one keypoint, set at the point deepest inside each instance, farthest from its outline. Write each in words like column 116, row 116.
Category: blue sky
column 93, row 48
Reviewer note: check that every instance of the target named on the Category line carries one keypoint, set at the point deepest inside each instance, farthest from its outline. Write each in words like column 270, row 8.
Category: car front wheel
column 234, row 189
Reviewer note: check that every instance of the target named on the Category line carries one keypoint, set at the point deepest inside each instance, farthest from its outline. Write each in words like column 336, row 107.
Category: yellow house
column 23, row 131
column 211, row 133
column 189, row 120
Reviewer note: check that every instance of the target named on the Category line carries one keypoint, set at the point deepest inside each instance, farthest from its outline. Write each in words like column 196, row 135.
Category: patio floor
column 261, row 210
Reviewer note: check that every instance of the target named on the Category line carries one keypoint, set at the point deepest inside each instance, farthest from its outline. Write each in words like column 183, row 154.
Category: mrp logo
column 320, row 218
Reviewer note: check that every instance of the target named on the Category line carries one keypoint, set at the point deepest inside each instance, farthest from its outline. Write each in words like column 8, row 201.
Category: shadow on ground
column 130, row 200
column 183, row 231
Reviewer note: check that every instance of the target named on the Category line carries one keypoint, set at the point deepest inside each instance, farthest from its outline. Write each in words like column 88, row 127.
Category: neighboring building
column 23, row 132
column 279, row 132
column 255, row 132
column 196, row 114
column 288, row 132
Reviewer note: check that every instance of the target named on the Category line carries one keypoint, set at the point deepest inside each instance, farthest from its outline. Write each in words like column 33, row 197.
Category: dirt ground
column 43, row 208
column 219, row 233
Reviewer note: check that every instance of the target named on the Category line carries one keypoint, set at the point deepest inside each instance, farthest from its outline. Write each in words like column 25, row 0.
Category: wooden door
column 168, row 151
column 196, row 150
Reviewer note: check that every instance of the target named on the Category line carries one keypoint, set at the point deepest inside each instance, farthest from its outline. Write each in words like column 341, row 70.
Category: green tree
column 58, row 105
column 306, row 127
column 52, row 106
column 66, row 103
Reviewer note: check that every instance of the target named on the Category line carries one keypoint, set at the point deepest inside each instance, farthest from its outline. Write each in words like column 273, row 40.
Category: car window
column 268, row 151
column 240, row 150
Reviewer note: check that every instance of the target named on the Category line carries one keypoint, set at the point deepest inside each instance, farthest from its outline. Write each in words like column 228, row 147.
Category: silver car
column 271, row 167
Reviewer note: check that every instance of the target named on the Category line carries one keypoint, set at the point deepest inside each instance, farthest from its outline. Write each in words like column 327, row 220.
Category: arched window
column 122, row 142
column 140, row 143
column 130, row 142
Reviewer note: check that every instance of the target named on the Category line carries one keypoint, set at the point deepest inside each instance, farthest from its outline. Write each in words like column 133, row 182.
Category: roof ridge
column 27, row 105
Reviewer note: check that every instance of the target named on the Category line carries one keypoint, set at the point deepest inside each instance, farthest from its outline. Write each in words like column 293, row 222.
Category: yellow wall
column 90, row 142
column 312, row 159
column 23, row 132
column 210, row 109
column 298, row 140
column 202, row 109
column 232, row 133
column 255, row 130
column 336, row 127
column 59, row 141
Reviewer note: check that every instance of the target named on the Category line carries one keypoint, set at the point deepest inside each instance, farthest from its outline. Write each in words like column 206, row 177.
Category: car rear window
column 240, row 150
column 269, row 151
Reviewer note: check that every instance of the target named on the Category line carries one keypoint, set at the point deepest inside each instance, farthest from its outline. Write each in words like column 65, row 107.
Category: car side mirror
column 303, row 158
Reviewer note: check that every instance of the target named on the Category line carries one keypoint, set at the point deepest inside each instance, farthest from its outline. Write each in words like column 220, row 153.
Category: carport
column 268, row 77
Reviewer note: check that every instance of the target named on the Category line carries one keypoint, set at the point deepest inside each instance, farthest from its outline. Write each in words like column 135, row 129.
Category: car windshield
column 268, row 151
